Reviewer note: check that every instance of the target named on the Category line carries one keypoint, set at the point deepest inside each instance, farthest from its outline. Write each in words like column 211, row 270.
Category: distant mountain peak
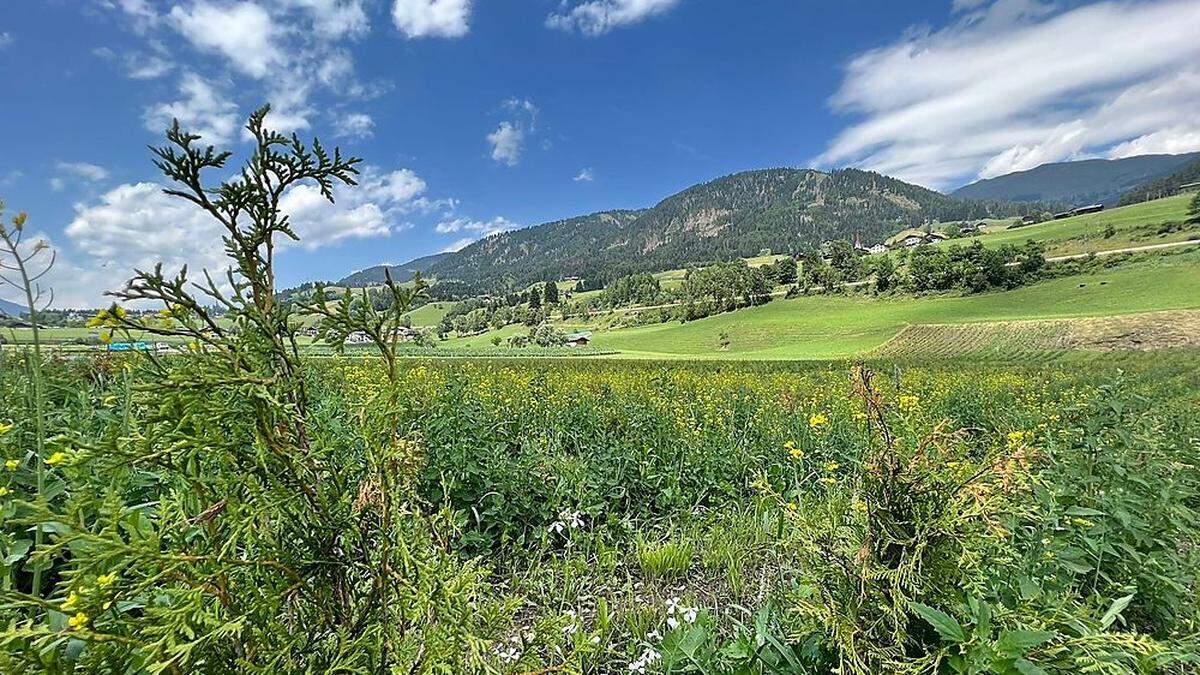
column 1084, row 181
column 782, row 209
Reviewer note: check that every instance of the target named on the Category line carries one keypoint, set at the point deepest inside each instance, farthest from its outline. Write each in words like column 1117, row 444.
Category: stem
column 35, row 369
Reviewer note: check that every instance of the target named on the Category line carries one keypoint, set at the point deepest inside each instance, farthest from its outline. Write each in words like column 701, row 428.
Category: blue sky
column 477, row 116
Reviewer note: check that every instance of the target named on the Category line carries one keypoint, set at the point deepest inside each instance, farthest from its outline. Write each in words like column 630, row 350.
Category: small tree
column 551, row 293
column 246, row 540
column 535, row 298
column 1194, row 210
column 785, row 270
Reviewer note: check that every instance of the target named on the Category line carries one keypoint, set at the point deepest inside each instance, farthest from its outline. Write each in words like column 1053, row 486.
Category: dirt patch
column 1156, row 330
column 1143, row 332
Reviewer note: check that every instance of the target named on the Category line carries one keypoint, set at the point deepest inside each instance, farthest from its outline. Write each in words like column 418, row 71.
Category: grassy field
column 430, row 314
column 1134, row 225
column 821, row 327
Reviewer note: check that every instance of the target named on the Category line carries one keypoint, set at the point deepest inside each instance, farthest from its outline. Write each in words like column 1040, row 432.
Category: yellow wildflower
column 80, row 620
column 109, row 401
column 831, row 466
column 818, row 420
column 909, row 403
column 71, row 602
column 56, row 458
column 828, row 480
column 12, row 464
column 1016, row 438
column 4, row 491
column 5, row 428
column 859, row 506
column 106, row 580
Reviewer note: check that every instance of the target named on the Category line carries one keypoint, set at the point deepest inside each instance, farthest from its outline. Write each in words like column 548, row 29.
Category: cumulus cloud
column 585, row 175
column 355, row 125
column 243, row 33
column 6, row 39
column 432, row 18
column 507, row 142
column 136, row 225
column 1012, row 84
column 202, row 110
column 597, row 17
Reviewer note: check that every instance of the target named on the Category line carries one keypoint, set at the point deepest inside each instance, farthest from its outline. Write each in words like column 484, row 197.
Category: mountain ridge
column 738, row 215
column 1077, row 182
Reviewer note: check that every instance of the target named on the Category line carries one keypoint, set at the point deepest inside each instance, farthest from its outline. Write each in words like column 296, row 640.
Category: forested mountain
column 1163, row 187
column 374, row 275
column 1087, row 181
column 785, row 210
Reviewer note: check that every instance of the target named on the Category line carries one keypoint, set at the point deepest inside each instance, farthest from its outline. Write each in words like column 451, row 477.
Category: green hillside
column 737, row 216
column 1165, row 186
column 1134, row 225
column 843, row 326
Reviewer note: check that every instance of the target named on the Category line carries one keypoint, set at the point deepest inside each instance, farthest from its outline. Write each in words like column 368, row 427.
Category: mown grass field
column 1133, row 225
column 824, row 327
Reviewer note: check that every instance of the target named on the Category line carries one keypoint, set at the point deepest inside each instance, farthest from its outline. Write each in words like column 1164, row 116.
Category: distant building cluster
column 914, row 237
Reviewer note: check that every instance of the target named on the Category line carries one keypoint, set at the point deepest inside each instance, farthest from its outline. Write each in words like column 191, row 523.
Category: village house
column 914, row 237
column 578, row 340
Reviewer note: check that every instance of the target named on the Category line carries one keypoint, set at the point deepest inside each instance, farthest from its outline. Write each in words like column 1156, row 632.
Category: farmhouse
column 578, row 340
column 914, row 237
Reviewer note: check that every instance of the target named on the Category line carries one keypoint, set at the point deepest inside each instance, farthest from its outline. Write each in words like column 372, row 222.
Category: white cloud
column 243, row 32
column 1016, row 83
column 82, row 171
column 432, row 18
column 585, row 175
column 1173, row 141
column 507, row 141
column 140, row 11
column 355, row 125
column 333, row 19
column 147, row 66
column 483, row 228
column 458, row 245
column 6, row 39
column 202, row 110
column 597, row 17
column 479, row 228
column 137, row 225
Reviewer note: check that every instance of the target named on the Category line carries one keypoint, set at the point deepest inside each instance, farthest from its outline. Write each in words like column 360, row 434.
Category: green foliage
column 1165, row 186
column 721, row 288
column 668, row 559
column 227, row 530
